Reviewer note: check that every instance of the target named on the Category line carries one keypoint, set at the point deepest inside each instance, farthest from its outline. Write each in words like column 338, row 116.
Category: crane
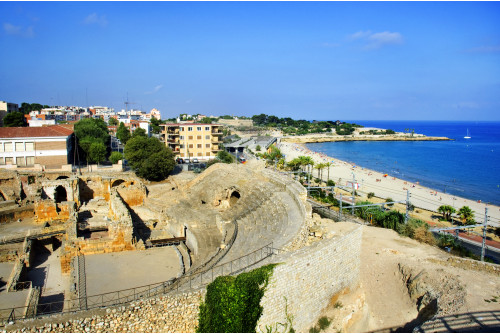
column 127, row 103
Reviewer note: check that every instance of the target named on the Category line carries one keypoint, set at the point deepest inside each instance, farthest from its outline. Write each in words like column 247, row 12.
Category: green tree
column 90, row 131
column 149, row 158
column 112, row 121
column 258, row 148
column 13, row 119
column 466, row 215
column 97, row 152
column 225, row 157
column 206, row 120
column 139, row 132
column 115, row 157
column 123, row 133
column 446, row 211
column 155, row 125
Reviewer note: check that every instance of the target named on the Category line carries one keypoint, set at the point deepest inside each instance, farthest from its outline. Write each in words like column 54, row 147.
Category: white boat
column 468, row 136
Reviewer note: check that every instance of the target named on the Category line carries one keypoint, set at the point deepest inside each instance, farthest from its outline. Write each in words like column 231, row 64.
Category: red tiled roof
column 45, row 131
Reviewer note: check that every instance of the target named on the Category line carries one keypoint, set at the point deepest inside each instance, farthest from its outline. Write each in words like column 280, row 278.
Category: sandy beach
column 388, row 186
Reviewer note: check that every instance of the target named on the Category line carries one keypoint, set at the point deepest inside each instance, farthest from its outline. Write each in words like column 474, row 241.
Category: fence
column 183, row 283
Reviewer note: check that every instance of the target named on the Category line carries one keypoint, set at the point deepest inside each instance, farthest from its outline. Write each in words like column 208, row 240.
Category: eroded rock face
column 434, row 292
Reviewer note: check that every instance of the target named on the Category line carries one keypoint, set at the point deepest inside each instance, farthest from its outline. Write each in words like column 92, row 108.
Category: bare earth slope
column 392, row 265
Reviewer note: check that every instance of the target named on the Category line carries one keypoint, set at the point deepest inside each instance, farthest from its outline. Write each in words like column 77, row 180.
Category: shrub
column 323, row 323
column 115, row 156
column 388, row 199
column 422, row 234
column 330, row 183
column 371, row 194
column 232, row 304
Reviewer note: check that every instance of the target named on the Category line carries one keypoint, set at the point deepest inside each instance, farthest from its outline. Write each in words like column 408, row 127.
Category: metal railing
column 183, row 283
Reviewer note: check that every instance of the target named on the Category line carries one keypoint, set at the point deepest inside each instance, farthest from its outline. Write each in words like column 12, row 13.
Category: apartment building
column 194, row 140
column 5, row 108
column 51, row 146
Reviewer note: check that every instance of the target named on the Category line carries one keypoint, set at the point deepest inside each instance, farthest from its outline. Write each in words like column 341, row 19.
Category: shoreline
column 389, row 186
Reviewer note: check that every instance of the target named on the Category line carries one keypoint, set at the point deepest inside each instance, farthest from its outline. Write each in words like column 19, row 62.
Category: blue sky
column 305, row 60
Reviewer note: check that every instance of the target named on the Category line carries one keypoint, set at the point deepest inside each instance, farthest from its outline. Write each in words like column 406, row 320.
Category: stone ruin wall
column 306, row 280
column 48, row 211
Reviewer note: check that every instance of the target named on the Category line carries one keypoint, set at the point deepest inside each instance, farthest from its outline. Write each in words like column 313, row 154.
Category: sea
column 468, row 168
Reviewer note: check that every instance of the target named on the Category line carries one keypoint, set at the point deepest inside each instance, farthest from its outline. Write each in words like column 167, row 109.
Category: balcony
column 215, row 148
column 217, row 132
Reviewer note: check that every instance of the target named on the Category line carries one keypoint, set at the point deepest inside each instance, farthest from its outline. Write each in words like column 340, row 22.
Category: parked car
column 186, row 160
column 195, row 160
column 242, row 160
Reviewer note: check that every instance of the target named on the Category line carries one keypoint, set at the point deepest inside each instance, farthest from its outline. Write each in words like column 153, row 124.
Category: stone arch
column 116, row 183
column 234, row 197
column 2, row 196
column 62, row 177
column 60, row 194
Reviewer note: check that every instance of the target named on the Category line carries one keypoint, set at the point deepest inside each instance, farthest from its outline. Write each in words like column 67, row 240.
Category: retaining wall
column 305, row 280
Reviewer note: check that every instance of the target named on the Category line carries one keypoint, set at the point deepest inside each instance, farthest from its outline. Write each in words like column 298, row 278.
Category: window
column 207, row 145
column 200, row 154
column 182, row 146
column 30, row 146
column 198, row 137
column 181, row 137
column 207, row 154
column 30, row 161
column 8, row 147
column 190, row 137
column 190, row 145
column 19, row 147
column 190, row 128
column 207, row 128
column 2, row 161
column 8, row 160
column 1, row 147
column 199, row 145
column 207, row 137
column 21, row 161
column 181, row 128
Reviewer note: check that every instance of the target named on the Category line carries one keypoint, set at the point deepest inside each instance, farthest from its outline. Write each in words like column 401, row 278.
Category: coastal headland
column 321, row 138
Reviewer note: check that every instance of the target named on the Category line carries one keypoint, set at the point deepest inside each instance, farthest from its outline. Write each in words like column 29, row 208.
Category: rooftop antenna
column 127, row 103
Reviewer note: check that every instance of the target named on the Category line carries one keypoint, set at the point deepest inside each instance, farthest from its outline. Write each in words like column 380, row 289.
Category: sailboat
column 468, row 136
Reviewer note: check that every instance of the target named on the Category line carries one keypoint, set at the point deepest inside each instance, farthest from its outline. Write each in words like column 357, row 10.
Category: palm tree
column 466, row 215
column 446, row 211
column 328, row 165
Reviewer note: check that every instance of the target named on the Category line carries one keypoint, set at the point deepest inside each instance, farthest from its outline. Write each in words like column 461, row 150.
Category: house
column 195, row 140
column 50, row 146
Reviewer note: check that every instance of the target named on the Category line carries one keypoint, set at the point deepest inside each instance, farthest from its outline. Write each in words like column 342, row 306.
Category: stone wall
column 47, row 211
column 166, row 314
column 305, row 280
column 11, row 215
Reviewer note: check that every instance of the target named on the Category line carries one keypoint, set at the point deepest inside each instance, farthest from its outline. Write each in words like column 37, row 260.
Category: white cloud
column 378, row 39
column 485, row 49
column 155, row 90
column 13, row 30
column 94, row 18
column 360, row 34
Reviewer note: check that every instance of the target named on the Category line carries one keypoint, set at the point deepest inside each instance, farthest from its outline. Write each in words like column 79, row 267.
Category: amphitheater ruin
column 79, row 247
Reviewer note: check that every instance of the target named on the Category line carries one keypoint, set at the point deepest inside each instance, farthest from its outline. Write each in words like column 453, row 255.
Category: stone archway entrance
column 60, row 194
column 235, row 196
